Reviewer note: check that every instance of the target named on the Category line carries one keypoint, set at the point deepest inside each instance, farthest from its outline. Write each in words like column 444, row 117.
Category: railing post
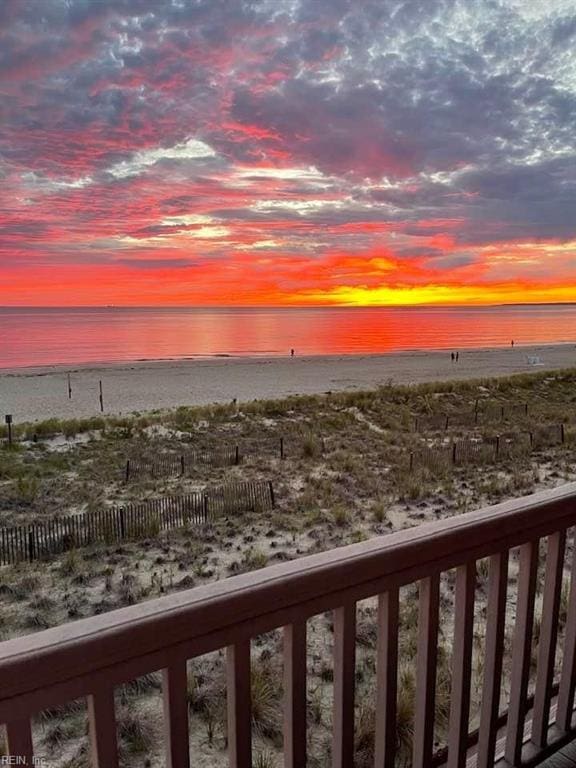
column 182, row 465
column 426, row 671
column 19, row 733
column 295, row 695
column 344, row 683
column 239, row 705
column 548, row 637
column 127, row 470
column 386, row 679
column 175, row 702
column 102, row 726
column 568, row 675
column 495, row 622
column 461, row 665
column 281, row 447
column 521, row 649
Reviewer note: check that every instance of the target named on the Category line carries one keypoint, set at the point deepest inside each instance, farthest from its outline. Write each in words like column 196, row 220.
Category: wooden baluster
column 495, row 624
column 175, row 699
column 426, row 671
column 461, row 665
column 239, row 705
column 102, row 726
column 344, row 672
column 386, row 680
column 521, row 649
column 19, row 733
column 548, row 637
column 568, row 674
column 295, row 695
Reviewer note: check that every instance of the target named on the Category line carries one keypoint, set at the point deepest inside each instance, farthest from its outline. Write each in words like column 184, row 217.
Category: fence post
column 205, row 504
column 531, row 439
column 562, row 436
column 411, row 460
column 526, row 409
column 31, row 544
column 182, row 464
column 273, row 500
column 122, row 528
column 446, row 424
column 454, row 445
column 237, row 456
column 127, row 470
column 101, row 398
column 476, row 415
column 502, row 413
column 497, row 446
column 281, row 447
column 8, row 420
column 415, row 423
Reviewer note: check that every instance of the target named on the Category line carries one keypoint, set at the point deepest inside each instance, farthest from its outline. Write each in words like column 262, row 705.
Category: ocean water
column 31, row 336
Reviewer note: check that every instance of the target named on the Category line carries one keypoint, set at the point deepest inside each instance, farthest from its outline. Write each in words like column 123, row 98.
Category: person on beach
column 457, row 356
column 452, row 356
column 291, row 353
column 512, row 343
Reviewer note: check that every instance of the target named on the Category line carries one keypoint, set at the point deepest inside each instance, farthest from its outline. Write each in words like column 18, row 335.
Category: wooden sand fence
column 486, row 450
column 144, row 519
column 489, row 412
column 172, row 465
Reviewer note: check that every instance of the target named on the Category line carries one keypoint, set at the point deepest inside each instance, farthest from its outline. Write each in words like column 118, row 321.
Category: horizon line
column 286, row 306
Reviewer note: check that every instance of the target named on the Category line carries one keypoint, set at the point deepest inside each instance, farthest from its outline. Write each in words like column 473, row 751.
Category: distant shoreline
column 38, row 393
column 265, row 307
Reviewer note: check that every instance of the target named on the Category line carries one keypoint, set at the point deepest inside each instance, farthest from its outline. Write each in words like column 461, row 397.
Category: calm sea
column 50, row 336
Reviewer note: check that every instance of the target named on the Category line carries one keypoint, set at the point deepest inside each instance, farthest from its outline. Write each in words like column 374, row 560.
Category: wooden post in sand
column 272, row 498
column 69, row 388
column 8, row 420
column 101, row 398
column 281, row 447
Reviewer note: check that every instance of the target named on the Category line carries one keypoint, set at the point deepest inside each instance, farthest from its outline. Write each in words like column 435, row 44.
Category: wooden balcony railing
column 89, row 658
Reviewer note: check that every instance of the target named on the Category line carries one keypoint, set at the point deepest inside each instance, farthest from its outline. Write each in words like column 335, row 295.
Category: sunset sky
column 287, row 152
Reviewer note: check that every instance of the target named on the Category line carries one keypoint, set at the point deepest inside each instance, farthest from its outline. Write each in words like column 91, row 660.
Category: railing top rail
column 310, row 584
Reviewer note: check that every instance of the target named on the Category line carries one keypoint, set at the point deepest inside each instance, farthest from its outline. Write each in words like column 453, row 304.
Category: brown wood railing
column 89, row 658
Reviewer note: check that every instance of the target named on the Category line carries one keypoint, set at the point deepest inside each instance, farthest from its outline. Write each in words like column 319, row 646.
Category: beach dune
column 32, row 394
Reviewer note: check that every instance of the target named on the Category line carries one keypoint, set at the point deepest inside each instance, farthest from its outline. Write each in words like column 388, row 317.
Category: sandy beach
column 32, row 394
